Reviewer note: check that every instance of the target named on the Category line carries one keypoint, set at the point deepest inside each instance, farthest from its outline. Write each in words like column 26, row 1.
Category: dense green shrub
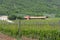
column 57, row 15
column 12, row 17
column 19, row 17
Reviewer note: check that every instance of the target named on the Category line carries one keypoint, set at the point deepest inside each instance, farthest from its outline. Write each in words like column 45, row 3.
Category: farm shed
column 35, row 17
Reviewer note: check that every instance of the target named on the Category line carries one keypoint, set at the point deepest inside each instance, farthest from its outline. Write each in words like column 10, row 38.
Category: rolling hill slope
column 30, row 7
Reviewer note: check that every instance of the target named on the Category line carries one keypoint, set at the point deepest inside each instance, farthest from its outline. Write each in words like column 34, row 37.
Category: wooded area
column 49, row 8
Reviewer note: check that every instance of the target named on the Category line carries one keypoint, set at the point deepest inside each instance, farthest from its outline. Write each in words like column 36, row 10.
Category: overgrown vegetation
column 30, row 7
column 14, row 17
column 48, row 29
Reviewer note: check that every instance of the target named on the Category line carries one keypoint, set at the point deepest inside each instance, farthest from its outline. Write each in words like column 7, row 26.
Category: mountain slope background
column 30, row 7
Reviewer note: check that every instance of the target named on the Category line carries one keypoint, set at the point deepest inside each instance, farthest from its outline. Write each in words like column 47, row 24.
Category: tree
column 12, row 17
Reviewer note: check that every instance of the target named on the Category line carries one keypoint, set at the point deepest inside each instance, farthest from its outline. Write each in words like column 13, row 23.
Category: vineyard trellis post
column 18, row 29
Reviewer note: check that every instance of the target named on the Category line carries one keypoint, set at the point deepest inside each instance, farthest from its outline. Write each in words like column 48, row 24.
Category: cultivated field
column 40, row 29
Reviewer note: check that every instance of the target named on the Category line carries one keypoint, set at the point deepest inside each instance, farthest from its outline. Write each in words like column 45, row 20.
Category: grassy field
column 42, row 29
column 37, row 24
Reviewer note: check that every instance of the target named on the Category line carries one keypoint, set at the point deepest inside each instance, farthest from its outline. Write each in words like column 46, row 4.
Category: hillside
column 30, row 7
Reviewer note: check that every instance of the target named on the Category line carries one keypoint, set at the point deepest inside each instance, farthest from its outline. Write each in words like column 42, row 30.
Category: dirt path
column 6, row 37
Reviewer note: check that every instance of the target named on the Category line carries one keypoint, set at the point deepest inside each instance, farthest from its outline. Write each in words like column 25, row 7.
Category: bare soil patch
column 5, row 37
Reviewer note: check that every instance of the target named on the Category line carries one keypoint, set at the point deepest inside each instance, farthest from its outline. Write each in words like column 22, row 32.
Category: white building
column 3, row 17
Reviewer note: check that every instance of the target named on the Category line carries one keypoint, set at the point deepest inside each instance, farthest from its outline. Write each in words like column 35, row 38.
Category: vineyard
column 47, row 29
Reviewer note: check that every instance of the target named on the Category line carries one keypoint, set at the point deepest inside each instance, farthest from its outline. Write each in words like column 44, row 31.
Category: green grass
column 48, row 24
column 34, row 28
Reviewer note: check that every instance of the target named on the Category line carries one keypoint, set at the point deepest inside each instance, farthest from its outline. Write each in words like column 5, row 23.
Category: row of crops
column 48, row 29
